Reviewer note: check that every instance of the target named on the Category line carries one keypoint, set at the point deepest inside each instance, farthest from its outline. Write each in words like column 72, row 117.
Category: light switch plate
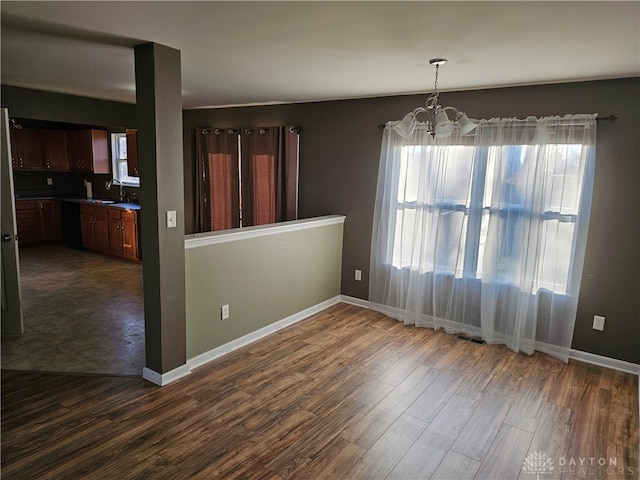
column 171, row 219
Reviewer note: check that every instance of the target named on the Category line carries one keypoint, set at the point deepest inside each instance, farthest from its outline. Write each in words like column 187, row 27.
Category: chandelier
column 438, row 122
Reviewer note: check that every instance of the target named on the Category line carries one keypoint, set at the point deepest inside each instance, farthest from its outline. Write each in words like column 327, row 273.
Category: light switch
column 171, row 219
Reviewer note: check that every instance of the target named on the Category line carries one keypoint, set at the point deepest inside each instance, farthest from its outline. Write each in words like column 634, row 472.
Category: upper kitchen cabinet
column 132, row 153
column 26, row 149
column 89, row 150
column 54, row 149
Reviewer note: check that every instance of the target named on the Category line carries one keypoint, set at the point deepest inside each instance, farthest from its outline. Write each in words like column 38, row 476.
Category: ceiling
column 245, row 53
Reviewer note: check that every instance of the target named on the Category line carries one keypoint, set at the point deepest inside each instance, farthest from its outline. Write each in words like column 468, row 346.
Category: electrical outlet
column 49, row 181
column 358, row 275
column 225, row 312
column 598, row 322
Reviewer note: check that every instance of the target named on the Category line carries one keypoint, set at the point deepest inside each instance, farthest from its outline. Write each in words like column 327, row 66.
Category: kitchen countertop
column 86, row 201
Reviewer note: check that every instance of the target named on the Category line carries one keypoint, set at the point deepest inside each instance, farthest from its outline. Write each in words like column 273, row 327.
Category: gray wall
column 340, row 145
column 57, row 107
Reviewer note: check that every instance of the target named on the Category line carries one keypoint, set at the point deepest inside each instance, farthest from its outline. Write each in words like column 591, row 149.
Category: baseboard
column 163, row 379
column 608, row 362
column 199, row 360
column 579, row 355
column 217, row 352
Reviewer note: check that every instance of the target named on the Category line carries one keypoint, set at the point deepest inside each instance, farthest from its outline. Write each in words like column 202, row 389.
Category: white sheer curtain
column 485, row 235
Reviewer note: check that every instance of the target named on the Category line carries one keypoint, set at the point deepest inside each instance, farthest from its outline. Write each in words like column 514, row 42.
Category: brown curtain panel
column 217, row 183
column 269, row 175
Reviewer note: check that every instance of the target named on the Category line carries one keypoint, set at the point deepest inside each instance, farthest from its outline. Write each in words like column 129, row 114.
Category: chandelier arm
column 418, row 111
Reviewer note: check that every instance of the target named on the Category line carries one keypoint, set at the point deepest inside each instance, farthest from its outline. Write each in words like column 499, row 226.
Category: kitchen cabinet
column 133, row 167
column 123, row 232
column 89, row 151
column 38, row 221
column 110, row 229
column 26, row 149
column 94, row 227
column 54, row 150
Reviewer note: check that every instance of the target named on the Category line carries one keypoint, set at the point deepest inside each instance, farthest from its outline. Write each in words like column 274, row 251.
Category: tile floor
column 83, row 313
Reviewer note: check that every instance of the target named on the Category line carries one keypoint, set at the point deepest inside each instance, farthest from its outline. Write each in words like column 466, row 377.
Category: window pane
column 122, row 147
column 554, row 268
column 435, row 174
column 563, row 177
column 403, row 241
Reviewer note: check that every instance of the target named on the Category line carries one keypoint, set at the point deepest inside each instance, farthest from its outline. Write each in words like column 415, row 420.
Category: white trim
column 579, row 355
column 163, row 379
column 608, row 362
column 251, row 337
column 212, row 238
column 356, row 301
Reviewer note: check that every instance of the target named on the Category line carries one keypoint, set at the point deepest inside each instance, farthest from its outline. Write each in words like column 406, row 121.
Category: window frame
column 474, row 216
column 117, row 159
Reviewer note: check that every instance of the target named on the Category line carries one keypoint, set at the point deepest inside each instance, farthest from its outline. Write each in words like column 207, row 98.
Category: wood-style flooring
column 346, row 394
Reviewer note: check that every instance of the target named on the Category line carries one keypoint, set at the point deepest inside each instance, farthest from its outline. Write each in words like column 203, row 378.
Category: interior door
column 12, row 323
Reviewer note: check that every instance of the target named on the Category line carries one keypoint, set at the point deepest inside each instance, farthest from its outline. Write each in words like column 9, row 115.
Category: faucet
column 110, row 184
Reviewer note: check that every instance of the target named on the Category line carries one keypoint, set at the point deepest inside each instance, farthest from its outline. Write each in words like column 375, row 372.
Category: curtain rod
column 609, row 118
column 262, row 130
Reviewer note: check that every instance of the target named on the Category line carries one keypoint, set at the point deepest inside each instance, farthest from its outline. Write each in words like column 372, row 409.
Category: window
column 245, row 177
column 483, row 190
column 486, row 234
column 119, row 160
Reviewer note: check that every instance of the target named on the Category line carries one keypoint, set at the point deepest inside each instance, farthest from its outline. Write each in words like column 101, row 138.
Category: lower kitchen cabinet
column 38, row 221
column 112, row 230
column 94, row 226
column 123, row 233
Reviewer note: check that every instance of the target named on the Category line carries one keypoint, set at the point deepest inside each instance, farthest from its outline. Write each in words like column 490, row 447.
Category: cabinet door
column 50, row 220
column 80, row 149
column 101, row 229
column 54, row 147
column 89, row 151
column 28, row 147
column 86, row 226
column 132, row 153
column 28, row 225
column 13, row 136
column 130, row 234
column 100, row 158
column 115, row 231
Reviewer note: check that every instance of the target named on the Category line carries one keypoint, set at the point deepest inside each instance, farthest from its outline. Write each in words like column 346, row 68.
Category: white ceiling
column 240, row 52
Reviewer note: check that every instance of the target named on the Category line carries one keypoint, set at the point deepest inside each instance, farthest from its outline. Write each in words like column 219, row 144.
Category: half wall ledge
column 222, row 236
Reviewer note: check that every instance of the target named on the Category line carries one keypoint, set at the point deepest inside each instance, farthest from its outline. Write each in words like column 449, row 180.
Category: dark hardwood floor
column 345, row 394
